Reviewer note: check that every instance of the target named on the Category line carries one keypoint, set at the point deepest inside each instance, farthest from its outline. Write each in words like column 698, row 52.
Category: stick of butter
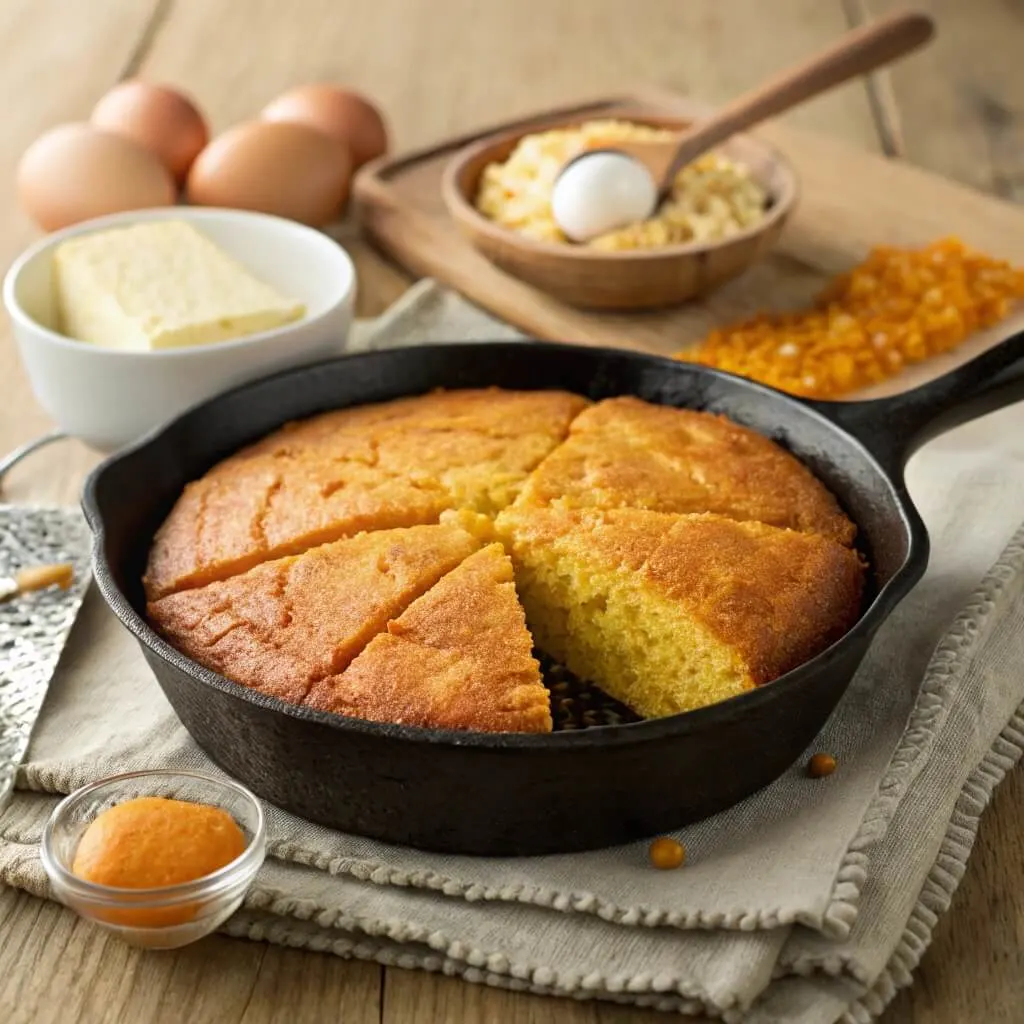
column 160, row 285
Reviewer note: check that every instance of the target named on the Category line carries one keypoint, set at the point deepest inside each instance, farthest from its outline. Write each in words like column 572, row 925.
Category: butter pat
column 160, row 285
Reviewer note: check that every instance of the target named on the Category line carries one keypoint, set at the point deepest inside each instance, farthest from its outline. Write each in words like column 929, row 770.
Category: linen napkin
column 808, row 903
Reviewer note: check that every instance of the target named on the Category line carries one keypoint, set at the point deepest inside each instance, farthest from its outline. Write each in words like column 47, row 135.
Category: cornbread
column 356, row 561
column 669, row 613
column 897, row 308
column 712, row 198
column 623, row 452
column 160, row 285
column 458, row 658
column 289, row 622
column 371, row 468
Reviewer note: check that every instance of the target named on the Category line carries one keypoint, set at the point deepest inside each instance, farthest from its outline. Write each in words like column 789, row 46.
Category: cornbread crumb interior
column 349, row 561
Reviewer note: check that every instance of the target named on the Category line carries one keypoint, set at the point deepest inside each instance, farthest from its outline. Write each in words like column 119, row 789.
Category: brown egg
column 345, row 115
column 76, row 171
column 280, row 168
column 163, row 120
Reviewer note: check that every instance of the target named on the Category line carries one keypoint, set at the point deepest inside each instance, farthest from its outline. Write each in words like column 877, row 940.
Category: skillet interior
column 410, row 785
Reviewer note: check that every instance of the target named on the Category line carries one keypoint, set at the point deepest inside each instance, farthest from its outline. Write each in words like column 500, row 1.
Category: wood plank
column 59, row 57
column 415, row 997
column 960, row 100
column 510, row 61
column 47, row 951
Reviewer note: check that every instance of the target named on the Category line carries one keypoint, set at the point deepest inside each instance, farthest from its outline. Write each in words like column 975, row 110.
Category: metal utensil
column 9, row 461
column 44, row 573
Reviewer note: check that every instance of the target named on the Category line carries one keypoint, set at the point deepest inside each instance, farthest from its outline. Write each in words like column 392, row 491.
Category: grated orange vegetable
column 900, row 306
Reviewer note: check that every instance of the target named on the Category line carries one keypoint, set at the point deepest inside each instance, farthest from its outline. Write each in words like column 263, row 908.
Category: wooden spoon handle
column 856, row 53
column 37, row 577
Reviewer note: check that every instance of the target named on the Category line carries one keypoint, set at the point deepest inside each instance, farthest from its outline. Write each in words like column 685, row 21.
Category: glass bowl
column 170, row 916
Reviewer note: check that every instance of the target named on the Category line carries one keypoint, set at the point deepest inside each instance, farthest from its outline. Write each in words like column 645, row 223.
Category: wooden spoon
column 857, row 53
column 37, row 577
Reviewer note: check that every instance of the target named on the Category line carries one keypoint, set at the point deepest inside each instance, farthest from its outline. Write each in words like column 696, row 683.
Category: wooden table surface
column 439, row 67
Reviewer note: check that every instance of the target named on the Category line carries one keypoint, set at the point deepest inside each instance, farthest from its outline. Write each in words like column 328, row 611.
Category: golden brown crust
column 458, row 658
column 776, row 597
column 370, row 468
column 624, row 452
column 288, row 622
column 251, row 574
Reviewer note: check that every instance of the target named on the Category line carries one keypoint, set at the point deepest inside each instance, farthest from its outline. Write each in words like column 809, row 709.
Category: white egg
column 601, row 192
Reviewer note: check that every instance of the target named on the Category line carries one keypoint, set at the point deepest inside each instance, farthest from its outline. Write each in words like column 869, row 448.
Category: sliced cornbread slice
column 668, row 613
column 478, row 445
column 491, row 411
column 624, row 452
column 286, row 623
column 369, row 468
column 160, row 285
column 245, row 512
column 459, row 657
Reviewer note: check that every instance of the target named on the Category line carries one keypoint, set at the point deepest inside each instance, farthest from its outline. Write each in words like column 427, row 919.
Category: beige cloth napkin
column 808, row 903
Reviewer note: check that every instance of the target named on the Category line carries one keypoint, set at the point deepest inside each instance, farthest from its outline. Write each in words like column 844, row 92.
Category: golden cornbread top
column 459, row 654
column 348, row 561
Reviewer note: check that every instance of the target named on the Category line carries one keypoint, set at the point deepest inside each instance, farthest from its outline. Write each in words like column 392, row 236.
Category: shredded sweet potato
column 900, row 306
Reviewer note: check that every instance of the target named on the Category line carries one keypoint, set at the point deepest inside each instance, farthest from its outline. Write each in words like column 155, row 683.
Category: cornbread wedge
column 286, row 623
column 243, row 513
column 373, row 467
column 459, row 657
column 624, row 452
column 668, row 613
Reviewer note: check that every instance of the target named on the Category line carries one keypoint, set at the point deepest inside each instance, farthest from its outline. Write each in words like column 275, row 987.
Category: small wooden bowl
column 636, row 279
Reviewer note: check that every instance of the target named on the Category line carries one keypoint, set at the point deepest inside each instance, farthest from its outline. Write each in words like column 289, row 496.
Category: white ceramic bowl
column 109, row 398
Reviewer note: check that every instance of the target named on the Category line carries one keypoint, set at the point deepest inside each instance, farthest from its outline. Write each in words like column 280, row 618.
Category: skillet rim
column 887, row 597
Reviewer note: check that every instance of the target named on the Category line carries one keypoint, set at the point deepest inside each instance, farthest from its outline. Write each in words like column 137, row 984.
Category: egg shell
column 281, row 168
column 163, row 120
column 76, row 171
column 341, row 113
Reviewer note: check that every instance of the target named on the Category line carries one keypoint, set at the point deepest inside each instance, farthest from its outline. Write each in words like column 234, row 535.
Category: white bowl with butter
column 124, row 321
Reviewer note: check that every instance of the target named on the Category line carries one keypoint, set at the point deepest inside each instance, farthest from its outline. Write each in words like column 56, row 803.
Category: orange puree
column 151, row 842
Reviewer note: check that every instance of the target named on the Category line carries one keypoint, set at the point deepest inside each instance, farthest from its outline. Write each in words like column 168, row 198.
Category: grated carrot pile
column 900, row 306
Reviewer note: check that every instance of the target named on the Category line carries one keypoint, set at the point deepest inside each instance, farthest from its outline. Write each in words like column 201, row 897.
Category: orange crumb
column 900, row 306
column 667, row 854
column 153, row 842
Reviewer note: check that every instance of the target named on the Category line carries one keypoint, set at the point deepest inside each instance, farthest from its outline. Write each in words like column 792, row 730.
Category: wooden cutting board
column 850, row 200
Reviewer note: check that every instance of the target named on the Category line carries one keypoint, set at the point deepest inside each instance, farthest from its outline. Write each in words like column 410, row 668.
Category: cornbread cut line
column 668, row 613
column 627, row 453
column 459, row 657
column 161, row 285
column 383, row 466
column 287, row 623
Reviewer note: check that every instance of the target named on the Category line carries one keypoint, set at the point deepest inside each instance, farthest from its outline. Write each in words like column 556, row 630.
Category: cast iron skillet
column 516, row 794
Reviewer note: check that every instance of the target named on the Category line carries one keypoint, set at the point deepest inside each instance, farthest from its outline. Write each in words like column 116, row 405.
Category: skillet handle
column 892, row 429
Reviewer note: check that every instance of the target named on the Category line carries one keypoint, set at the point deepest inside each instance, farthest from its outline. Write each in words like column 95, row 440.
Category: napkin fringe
column 350, row 948
column 436, row 949
column 924, row 724
column 643, row 915
column 945, row 876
